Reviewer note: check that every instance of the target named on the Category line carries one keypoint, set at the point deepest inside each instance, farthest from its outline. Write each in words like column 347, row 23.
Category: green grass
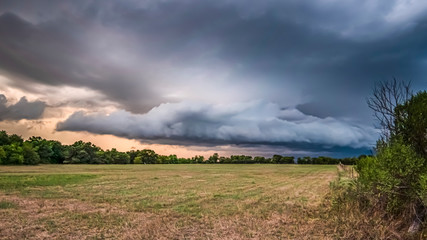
column 17, row 182
column 166, row 201
column 7, row 204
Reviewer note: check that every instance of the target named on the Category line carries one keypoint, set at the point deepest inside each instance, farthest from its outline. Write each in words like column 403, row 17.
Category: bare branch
column 387, row 95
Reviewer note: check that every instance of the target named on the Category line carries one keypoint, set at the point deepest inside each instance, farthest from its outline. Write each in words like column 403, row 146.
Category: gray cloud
column 57, row 54
column 143, row 53
column 256, row 122
column 322, row 57
column 23, row 109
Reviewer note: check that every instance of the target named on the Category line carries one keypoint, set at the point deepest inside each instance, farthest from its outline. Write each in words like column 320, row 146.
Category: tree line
column 14, row 150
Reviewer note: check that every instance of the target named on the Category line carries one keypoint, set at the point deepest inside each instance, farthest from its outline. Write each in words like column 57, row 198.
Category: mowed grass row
column 163, row 201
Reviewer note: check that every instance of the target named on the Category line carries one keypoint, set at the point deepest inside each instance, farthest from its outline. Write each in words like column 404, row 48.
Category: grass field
column 164, row 201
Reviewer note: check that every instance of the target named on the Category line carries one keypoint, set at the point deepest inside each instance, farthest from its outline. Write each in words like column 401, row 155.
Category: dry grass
column 166, row 202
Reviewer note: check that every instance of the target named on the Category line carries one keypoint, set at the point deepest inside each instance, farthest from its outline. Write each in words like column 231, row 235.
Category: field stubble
column 164, row 202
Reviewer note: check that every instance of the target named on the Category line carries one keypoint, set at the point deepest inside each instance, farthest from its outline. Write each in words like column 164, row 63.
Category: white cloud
column 255, row 122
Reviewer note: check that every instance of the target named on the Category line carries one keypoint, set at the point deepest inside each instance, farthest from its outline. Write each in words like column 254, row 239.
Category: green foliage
column 213, row 159
column 16, row 139
column 282, row 160
column 148, row 156
column 117, row 157
column 82, row 152
column 30, row 156
column 4, row 138
column 2, row 155
column 411, row 123
column 13, row 150
column 395, row 175
column 198, row 159
column 261, row 160
column 13, row 154
column 137, row 160
column 172, row 159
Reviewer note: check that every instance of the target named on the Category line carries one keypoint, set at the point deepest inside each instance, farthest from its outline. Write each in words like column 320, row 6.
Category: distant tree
column 148, row 156
column 42, row 147
column 137, row 160
column 2, row 155
column 14, row 154
column 276, row 158
column 81, row 152
column 172, row 159
column 214, row 158
column 184, row 161
column 162, row 159
column 4, row 138
column 223, row 160
column 305, row 160
column 30, row 156
column 259, row 160
column 132, row 155
column 198, row 159
column 57, row 152
column 118, row 157
column 16, row 139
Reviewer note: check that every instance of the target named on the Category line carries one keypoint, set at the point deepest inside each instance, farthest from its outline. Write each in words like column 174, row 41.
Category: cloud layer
column 141, row 54
column 256, row 122
column 319, row 60
column 23, row 109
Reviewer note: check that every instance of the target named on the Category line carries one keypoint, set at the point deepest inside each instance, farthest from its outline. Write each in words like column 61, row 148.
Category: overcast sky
column 197, row 76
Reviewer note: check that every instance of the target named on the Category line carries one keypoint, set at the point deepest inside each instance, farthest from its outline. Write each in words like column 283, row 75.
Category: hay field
column 164, row 201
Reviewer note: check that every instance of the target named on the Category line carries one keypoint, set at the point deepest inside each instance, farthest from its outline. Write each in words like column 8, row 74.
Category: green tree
column 43, row 148
column 16, row 139
column 148, row 156
column 4, row 138
column 13, row 154
column 214, row 158
column 30, row 156
column 411, row 123
column 2, row 155
column 118, row 157
column 132, row 155
column 137, row 160
column 396, row 174
column 172, row 159
column 259, row 159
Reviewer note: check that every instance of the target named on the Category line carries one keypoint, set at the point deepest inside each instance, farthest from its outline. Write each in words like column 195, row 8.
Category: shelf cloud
column 255, row 122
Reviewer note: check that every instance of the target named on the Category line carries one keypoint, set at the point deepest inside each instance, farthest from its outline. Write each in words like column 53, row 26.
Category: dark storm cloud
column 320, row 57
column 239, row 123
column 56, row 53
column 23, row 109
column 315, row 48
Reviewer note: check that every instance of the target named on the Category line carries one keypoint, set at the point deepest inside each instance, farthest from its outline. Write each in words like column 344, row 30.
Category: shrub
column 137, row 160
column 394, row 176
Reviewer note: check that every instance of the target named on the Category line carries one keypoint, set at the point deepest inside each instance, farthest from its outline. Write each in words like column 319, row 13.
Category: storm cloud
column 254, row 122
column 23, row 109
column 320, row 59
column 146, row 53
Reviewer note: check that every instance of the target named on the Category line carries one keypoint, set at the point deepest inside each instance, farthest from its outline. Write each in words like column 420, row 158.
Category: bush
column 395, row 176
column 137, row 160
